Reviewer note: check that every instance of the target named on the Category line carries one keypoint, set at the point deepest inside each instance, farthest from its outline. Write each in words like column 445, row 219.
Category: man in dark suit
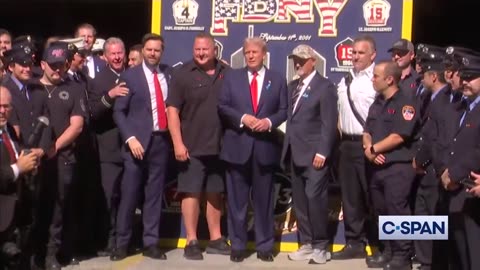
column 252, row 102
column 93, row 63
column 459, row 152
column 13, row 165
column 141, row 119
column 309, row 139
column 106, row 87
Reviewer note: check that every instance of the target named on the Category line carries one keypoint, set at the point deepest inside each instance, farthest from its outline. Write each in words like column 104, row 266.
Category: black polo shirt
column 410, row 83
column 195, row 94
column 398, row 115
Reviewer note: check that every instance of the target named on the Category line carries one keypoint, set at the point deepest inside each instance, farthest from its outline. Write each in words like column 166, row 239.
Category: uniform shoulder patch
column 408, row 112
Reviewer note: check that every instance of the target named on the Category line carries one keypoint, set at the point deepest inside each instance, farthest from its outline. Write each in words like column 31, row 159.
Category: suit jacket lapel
column 264, row 91
column 144, row 85
column 246, row 85
column 302, row 99
column 459, row 117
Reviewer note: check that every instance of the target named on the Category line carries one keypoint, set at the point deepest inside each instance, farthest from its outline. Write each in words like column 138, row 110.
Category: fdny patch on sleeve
column 408, row 112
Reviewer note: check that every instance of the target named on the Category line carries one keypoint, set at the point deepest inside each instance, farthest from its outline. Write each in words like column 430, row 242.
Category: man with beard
column 403, row 53
column 142, row 122
column 459, row 154
column 68, row 111
column 106, row 87
column 309, row 139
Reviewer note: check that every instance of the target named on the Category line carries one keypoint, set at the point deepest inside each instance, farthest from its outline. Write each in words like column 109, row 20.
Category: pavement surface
column 175, row 261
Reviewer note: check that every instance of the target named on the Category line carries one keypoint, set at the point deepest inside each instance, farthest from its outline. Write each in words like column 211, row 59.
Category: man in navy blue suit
column 309, row 140
column 252, row 102
column 142, row 122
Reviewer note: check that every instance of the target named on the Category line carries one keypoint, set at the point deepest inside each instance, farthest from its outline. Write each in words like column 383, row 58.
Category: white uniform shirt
column 362, row 94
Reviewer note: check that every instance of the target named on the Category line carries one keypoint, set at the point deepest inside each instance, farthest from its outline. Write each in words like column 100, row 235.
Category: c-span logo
column 413, row 227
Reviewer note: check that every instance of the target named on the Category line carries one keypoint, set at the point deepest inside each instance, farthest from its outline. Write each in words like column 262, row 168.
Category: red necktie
column 254, row 91
column 162, row 117
column 9, row 146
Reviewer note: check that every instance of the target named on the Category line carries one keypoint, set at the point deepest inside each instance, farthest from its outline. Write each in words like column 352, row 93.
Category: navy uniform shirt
column 397, row 115
column 195, row 94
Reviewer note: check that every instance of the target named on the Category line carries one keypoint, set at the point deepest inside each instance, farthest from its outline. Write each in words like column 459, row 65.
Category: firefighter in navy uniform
column 453, row 61
column 388, row 138
column 106, row 87
column 26, row 41
column 67, row 113
column 89, row 168
column 427, row 189
column 459, row 150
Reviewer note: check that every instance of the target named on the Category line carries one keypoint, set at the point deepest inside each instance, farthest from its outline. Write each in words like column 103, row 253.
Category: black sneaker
column 219, row 246
column 193, row 251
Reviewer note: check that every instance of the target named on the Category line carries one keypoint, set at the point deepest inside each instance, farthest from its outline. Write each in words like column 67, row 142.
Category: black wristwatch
column 372, row 150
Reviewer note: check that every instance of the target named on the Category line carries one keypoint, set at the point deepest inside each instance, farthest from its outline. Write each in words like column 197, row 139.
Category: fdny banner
column 329, row 26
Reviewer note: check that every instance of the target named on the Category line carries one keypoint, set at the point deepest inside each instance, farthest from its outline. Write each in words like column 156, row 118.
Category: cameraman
column 14, row 164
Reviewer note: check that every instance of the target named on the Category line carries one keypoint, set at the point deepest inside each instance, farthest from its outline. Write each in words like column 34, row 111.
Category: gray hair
column 111, row 41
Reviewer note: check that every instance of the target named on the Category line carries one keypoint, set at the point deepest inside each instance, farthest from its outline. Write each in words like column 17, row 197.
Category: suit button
column 455, row 139
column 451, row 153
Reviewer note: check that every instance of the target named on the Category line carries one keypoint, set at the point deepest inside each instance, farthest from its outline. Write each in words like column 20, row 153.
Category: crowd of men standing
column 404, row 140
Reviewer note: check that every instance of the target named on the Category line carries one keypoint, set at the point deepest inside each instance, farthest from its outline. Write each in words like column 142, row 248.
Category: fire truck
column 328, row 26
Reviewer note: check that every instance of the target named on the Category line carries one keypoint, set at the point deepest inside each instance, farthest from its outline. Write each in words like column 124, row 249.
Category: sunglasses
column 399, row 53
column 56, row 66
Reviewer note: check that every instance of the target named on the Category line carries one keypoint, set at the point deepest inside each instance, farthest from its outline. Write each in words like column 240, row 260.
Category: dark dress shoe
column 265, row 256
column 118, row 254
column 154, row 252
column 350, row 251
column 237, row 255
column 378, row 260
column 398, row 265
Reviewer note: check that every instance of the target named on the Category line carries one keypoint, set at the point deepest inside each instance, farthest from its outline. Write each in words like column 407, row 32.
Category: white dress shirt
column 153, row 96
column 362, row 94
column 16, row 171
column 91, row 66
column 260, row 79
column 306, row 82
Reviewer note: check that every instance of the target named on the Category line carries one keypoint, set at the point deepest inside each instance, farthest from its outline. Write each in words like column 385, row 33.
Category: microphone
column 34, row 139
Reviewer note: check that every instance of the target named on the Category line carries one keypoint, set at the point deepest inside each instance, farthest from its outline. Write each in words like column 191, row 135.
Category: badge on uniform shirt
column 82, row 105
column 408, row 112
column 63, row 95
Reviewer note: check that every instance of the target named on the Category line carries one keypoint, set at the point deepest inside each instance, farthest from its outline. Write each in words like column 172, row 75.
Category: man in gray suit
column 309, row 139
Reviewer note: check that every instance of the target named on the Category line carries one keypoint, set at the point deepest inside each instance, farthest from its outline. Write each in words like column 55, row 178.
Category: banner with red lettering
column 329, row 26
